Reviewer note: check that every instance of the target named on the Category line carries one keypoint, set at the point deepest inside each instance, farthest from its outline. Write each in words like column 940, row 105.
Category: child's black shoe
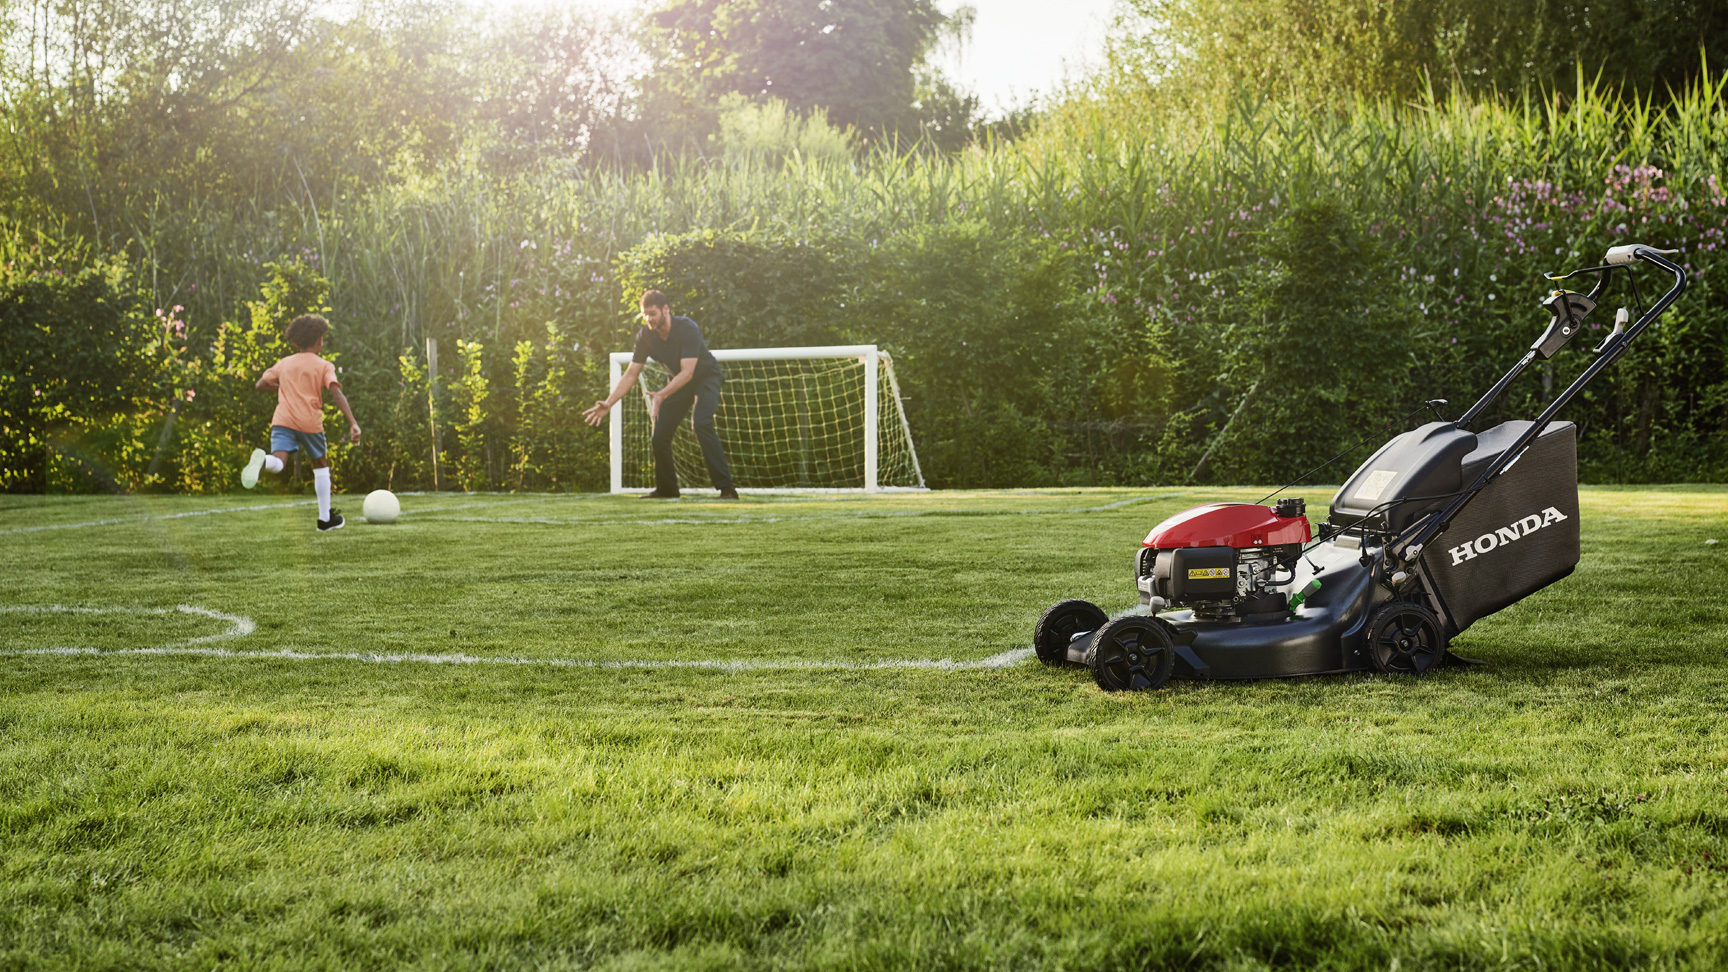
column 334, row 523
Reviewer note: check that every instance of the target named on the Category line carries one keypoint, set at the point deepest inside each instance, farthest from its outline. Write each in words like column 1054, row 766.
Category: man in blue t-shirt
column 675, row 342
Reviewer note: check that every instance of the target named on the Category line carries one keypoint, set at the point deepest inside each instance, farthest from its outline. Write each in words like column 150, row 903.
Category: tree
column 547, row 79
column 858, row 59
column 114, row 105
column 1324, row 49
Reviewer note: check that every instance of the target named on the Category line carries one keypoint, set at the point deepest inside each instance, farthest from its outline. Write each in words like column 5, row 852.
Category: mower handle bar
column 1603, row 273
column 1612, row 348
column 1625, row 256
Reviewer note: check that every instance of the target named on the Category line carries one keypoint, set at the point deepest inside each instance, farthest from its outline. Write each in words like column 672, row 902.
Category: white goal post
column 820, row 419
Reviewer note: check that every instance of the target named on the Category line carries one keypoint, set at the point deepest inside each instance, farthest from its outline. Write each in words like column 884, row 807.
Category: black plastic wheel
column 1405, row 638
column 1131, row 654
column 1060, row 623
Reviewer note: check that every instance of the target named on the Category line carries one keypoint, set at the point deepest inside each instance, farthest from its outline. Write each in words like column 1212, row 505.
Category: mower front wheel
column 1405, row 638
column 1131, row 654
column 1059, row 625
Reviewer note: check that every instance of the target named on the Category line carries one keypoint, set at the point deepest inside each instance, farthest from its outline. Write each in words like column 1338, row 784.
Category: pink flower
column 190, row 394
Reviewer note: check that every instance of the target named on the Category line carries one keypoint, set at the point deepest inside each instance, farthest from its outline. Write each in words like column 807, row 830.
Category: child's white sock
column 272, row 464
column 321, row 483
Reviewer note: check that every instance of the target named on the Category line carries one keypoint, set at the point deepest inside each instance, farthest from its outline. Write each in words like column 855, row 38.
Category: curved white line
column 238, row 626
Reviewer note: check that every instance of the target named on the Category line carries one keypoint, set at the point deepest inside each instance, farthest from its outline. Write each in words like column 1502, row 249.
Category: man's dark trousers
column 705, row 393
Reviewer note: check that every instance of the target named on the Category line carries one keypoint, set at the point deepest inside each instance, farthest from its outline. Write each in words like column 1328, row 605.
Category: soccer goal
column 791, row 419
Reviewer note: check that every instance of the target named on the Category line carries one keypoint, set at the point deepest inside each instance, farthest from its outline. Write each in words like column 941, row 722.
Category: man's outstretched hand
column 594, row 416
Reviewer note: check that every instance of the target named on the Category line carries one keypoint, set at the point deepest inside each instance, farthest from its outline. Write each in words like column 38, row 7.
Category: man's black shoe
column 334, row 523
column 728, row 493
column 659, row 495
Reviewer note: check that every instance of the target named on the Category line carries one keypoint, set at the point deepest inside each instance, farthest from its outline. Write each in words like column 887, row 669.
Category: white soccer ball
column 381, row 506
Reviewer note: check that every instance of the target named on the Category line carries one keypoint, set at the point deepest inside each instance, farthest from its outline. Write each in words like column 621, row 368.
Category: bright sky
column 1024, row 47
column 1019, row 47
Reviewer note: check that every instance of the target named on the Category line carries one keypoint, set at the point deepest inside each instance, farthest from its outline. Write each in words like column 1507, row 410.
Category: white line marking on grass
column 148, row 517
column 1006, row 659
column 778, row 516
column 467, row 506
column 165, row 516
column 1129, row 502
column 438, row 511
column 624, row 521
column 239, row 626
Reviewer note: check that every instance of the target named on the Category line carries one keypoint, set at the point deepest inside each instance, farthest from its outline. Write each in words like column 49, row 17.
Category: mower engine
column 1225, row 561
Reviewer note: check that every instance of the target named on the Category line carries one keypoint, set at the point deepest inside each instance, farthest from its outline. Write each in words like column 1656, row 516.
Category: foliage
column 470, row 400
column 1119, row 277
column 746, row 289
column 79, row 355
column 983, row 329
column 1322, row 50
column 123, row 104
column 949, row 116
column 549, row 81
column 1307, row 349
column 854, row 59
column 768, row 131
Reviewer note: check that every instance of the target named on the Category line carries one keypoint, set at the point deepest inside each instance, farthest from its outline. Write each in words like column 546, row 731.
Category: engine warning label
column 1208, row 573
column 1374, row 484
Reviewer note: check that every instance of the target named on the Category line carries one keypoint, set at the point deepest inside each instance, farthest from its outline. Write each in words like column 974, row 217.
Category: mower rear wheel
column 1405, row 638
column 1131, row 654
column 1059, row 625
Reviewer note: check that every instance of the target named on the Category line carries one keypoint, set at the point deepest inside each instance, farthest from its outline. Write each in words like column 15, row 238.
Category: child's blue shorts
column 285, row 439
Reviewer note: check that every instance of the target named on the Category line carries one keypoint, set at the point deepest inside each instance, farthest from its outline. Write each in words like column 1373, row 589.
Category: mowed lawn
column 593, row 732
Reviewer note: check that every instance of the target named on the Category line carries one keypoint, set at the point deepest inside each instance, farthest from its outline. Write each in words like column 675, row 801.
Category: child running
column 299, row 381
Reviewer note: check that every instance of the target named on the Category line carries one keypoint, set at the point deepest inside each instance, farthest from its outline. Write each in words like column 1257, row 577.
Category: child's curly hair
column 305, row 330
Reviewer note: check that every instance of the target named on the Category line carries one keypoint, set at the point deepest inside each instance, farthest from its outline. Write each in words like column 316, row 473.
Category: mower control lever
column 1621, row 316
column 1569, row 308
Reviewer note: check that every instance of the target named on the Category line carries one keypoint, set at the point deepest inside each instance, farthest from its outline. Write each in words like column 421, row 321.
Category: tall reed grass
column 1177, row 241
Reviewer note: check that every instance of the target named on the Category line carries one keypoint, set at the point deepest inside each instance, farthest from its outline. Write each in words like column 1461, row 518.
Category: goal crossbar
column 881, row 421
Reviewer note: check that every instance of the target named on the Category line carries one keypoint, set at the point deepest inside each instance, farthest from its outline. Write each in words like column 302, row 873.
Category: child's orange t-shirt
column 301, row 380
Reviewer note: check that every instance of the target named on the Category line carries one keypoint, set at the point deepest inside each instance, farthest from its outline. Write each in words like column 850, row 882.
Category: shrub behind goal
column 826, row 418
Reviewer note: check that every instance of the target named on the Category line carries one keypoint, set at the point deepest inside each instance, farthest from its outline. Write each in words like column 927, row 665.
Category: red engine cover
column 1228, row 525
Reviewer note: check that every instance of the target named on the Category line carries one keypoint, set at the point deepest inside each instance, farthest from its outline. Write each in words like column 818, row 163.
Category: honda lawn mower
column 1440, row 527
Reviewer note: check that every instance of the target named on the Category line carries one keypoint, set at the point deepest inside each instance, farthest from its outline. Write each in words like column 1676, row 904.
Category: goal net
column 826, row 418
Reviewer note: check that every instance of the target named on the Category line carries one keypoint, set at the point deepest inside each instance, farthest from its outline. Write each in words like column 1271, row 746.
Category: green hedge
column 1108, row 301
column 80, row 384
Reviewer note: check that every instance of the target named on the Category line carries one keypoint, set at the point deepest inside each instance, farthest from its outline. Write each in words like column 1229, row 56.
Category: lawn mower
column 1440, row 527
